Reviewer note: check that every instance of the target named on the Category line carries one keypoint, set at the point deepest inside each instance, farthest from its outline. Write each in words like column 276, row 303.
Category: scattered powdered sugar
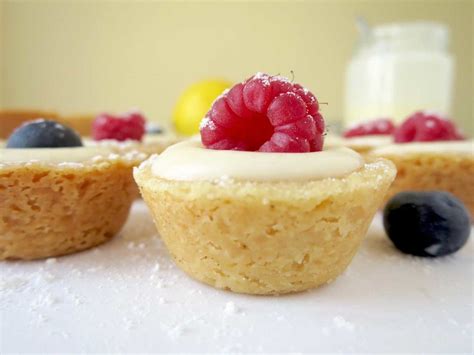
column 44, row 300
column 12, row 284
column 176, row 332
column 263, row 78
column 128, row 323
column 139, row 289
column 341, row 322
column 231, row 309
column 207, row 123
column 290, row 93
column 156, row 268
column 280, row 78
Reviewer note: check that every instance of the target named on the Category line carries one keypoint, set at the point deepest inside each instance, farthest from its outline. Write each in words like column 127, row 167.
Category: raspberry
column 376, row 127
column 426, row 127
column 267, row 114
column 130, row 125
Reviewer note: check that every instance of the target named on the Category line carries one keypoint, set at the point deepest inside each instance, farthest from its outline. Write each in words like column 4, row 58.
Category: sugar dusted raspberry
column 379, row 126
column 130, row 125
column 264, row 113
column 426, row 127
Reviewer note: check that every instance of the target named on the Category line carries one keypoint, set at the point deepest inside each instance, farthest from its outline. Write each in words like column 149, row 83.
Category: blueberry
column 154, row 128
column 43, row 134
column 429, row 223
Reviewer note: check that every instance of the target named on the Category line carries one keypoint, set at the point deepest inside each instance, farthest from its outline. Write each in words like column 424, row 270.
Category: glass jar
column 398, row 69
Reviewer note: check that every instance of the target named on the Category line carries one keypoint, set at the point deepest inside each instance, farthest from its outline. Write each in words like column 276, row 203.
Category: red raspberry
column 130, row 125
column 376, row 127
column 267, row 114
column 426, row 127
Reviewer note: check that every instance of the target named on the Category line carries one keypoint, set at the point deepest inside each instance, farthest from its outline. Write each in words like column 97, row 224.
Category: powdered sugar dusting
column 290, row 93
column 137, row 299
column 207, row 123
column 262, row 77
column 231, row 309
column 341, row 322
column 280, row 78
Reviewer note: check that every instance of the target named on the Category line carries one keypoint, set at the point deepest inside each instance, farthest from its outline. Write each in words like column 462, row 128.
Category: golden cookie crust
column 434, row 171
column 265, row 237
column 50, row 210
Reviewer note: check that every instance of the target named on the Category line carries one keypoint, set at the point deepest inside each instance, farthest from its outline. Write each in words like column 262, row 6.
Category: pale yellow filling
column 447, row 147
column 189, row 160
column 52, row 155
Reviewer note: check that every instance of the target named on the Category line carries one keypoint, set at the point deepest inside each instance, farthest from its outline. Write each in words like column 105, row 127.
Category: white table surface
column 127, row 296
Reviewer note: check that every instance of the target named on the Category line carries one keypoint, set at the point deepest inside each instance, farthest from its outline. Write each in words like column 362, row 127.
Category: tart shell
column 265, row 237
column 434, row 171
column 53, row 210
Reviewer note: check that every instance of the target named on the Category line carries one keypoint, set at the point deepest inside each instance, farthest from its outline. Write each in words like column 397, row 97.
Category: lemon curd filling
column 189, row 160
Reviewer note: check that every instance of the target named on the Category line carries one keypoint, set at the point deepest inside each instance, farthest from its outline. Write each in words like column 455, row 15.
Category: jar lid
column 411, row 34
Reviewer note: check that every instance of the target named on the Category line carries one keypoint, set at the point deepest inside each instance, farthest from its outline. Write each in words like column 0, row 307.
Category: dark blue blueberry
column 429, row 223
column 43, row 134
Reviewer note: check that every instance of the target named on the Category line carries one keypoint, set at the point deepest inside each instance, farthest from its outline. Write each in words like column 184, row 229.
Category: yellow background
column 87, row 56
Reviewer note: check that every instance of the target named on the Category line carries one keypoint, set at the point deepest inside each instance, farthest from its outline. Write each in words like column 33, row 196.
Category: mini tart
column 61, row 200
column 447, row 166
column 264, row 235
